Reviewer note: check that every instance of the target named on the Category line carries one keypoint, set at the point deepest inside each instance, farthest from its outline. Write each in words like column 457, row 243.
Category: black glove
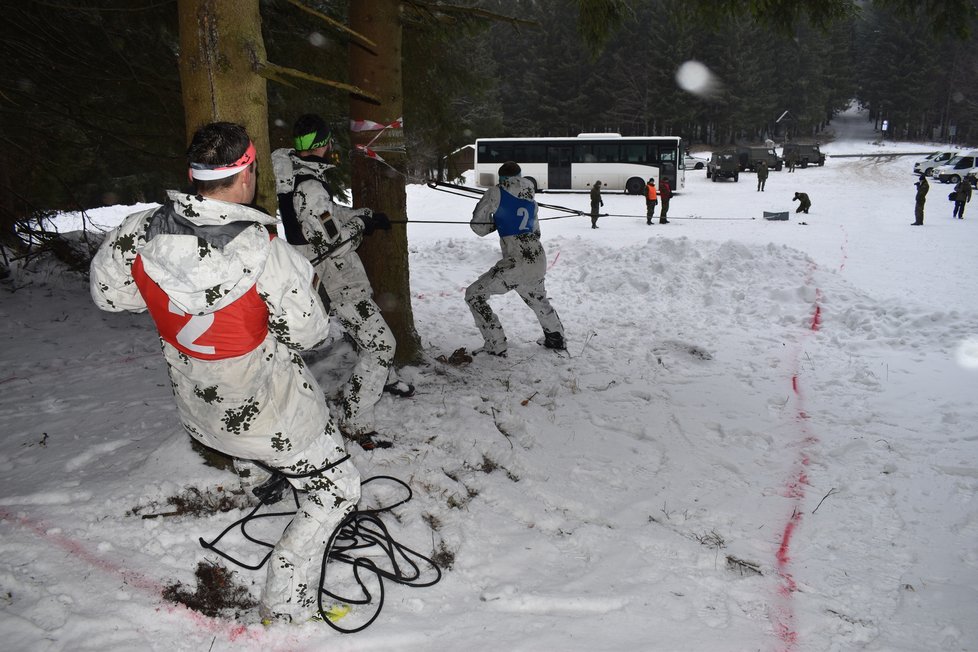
column 375, row 221
column 270, row 491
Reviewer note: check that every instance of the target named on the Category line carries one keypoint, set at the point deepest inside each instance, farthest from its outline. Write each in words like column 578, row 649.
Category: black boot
column 400, row 388
column 554, row 341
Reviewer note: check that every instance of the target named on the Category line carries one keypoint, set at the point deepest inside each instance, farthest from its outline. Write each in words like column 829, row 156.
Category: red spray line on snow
column 783, row 612
column 81, row 365
column 556, row 258
column 79, row 551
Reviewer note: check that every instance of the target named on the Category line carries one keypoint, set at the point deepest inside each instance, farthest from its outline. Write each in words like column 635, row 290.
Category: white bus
column 618, row 162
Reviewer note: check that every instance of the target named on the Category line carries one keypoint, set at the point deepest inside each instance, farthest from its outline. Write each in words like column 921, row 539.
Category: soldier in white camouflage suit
column 509, row 209
column 234, row 306
column 329, row 234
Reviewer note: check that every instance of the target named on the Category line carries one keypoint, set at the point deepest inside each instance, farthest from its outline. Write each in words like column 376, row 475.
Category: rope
column 442, row 186
column 466, row 191
column 275, row 470
column 363, row 530
column 358, row 535
column 671, row 217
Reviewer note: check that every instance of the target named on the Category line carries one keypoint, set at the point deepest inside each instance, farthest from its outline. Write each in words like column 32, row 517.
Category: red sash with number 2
column 237, row 328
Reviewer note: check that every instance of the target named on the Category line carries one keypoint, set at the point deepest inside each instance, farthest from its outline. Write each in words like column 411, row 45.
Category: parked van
column 957, row 168
column 805, row 154
column 924, row 166
column 750, row 157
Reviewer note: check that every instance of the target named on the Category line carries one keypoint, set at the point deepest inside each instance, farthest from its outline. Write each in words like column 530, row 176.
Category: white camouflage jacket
column 204, row 254
column 523, row 249
column 332, row 230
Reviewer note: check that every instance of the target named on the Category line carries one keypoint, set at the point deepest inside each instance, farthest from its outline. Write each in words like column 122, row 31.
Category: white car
column 934, row 160
column 694, row 163
column 957, row 168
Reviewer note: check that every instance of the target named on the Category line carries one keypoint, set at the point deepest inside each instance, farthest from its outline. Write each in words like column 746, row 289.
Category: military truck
column 805, row 154
column 723, row 164
column 750, row 157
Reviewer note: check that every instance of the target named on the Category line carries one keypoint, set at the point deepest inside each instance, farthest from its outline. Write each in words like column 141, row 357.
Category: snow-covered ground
column 764, row 437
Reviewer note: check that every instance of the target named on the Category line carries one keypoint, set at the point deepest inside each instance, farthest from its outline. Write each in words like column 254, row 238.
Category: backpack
column 286, row 208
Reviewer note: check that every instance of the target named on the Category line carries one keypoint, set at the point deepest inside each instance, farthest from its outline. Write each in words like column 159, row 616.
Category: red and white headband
column 205, row 172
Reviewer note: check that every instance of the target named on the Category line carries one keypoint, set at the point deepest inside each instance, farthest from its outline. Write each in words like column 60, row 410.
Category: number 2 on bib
column 193, row 330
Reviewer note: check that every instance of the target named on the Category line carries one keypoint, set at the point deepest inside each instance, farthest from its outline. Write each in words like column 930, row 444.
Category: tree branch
column 333, row 23
column 465, row 13
column 275, row 72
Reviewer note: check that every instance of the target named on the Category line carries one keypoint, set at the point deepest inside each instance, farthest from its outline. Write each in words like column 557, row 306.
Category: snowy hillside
column 764, row 437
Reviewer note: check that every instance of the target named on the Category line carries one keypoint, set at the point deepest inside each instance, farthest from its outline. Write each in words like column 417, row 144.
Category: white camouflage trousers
column 294, row 567
column 506, row 275
column 375, row 358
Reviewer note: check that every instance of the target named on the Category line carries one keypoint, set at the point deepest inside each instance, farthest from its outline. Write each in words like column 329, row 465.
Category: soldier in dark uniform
column 761, row 175
column 918, row 211
column 665, row 195
column 651, row 199
column 962, row 195
column 804, row 203
column 595, row 202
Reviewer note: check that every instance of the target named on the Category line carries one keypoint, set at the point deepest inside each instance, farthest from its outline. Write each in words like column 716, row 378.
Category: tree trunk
column 380, row 184
column 220, row 47
column 8, row 208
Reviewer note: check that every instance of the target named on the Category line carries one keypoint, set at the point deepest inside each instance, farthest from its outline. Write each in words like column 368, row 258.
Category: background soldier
column 651, row 199
column 918, row 210
column 665, row 194
column 962, row 195
column 804, row 203
column 596, row 201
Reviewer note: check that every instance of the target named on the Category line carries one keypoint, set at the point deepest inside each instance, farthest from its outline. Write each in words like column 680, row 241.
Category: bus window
column 606, row 153
column 584, row 154
column 495, row 152
column 635, row 153
column 529, row 153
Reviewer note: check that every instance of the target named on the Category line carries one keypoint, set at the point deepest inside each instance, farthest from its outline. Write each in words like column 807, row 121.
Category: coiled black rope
column 242, row 524
column 359, row 534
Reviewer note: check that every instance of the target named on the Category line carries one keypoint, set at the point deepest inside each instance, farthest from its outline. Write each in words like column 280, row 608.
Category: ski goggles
column 205, row 172
column 314, row 140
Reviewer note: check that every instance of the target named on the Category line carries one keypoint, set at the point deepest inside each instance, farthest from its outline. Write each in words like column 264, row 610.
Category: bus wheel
column 634, row 186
